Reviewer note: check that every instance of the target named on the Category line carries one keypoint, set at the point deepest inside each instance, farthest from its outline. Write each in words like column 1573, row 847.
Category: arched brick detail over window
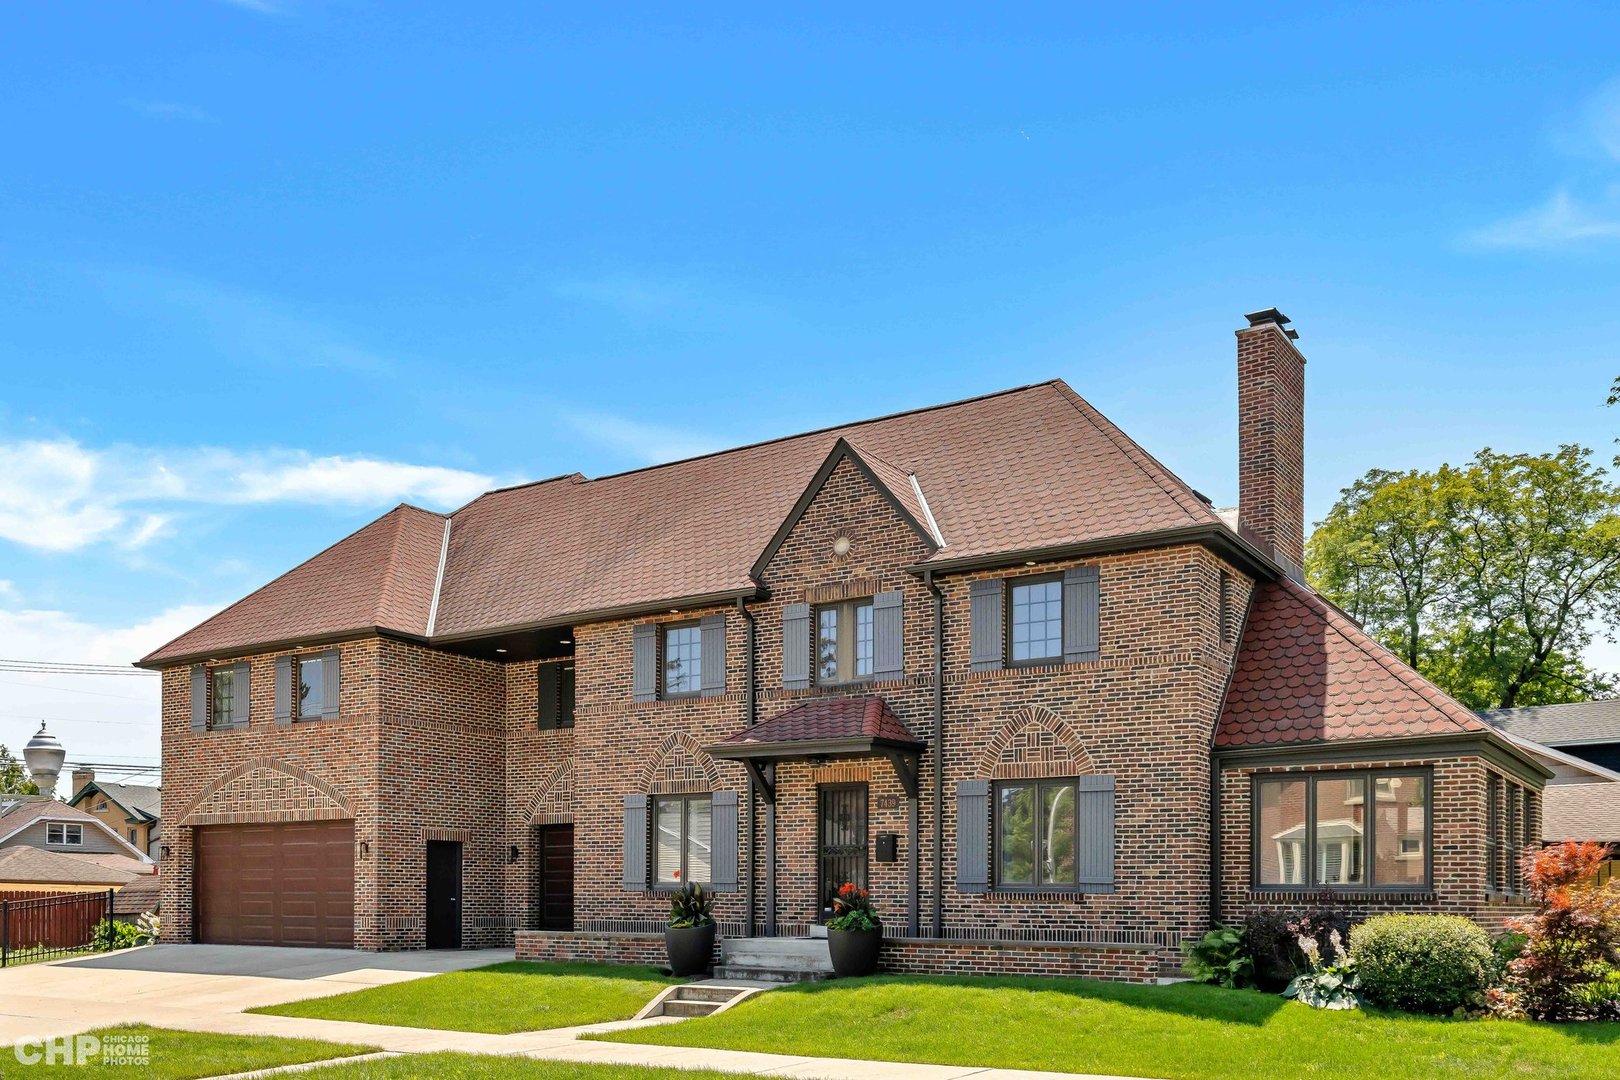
column 553, row 804
column 265, row 789
column 1035, row 741
column 680, row 767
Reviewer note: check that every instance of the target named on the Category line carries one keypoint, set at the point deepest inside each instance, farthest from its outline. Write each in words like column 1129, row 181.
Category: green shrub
column 111, row 934
column 1423, row 963
column 1219, row 957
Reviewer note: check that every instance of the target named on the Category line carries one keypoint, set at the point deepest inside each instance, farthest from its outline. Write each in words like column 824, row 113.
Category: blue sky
column 270, row 266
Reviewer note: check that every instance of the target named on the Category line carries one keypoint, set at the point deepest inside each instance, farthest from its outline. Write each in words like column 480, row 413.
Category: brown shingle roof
column 141, row 895
column 32, row 865
column 826, row 720
column 1019, row 470
column 1305, row 672
column 381, row 576
column 1581, row 812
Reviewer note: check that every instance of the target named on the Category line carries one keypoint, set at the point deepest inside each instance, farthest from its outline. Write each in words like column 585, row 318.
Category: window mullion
column 1310, row 832
column 1369, row 828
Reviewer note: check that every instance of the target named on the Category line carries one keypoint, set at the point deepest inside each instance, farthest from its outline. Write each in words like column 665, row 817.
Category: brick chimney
column 81, row 777
column 1271, row 438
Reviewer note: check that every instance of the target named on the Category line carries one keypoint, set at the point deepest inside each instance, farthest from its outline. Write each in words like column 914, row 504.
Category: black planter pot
column 691, row 949
column 854, row 952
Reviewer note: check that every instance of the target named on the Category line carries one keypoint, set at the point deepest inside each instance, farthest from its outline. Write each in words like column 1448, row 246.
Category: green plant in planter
column 1329, row 984
column 691, row 907
column 853, row 910
column 1220, row 957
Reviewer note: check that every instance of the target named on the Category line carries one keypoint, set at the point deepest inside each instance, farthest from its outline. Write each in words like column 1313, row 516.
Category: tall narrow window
column 311, row 687
column 1340, row 814
column 222, row 691
column 1035, row 628
column 682, row 850
column 683, row 659
column 844, row 642
column 1400, row 811
column 1493, row 835
column 1224, row 611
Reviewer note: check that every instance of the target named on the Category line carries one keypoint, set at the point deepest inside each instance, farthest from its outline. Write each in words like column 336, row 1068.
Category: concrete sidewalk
column 205, row 988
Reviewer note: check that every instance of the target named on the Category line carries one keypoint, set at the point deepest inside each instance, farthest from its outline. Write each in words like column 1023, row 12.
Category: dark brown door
column 275, row 884
column 553, row 892
column 841, row 839
column 443, row 894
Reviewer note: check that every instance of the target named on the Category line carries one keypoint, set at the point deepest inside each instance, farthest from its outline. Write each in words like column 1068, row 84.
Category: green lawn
column 182, row 1055
column 498, row 999
column 1182, row 1031
column 486, row 1067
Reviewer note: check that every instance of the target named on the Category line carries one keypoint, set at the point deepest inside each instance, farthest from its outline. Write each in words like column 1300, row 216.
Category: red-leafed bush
column 1572, row 950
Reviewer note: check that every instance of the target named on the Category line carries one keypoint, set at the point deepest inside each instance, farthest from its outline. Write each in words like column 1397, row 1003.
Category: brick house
column 990, row 659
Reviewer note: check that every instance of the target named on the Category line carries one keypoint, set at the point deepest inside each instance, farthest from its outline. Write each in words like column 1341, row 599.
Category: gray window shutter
column 986, row 598
column 549, row 696
column 723, row 841
column 1094, row 819
column 714, row 655
column 199, row 698
column 284, row 690
column 888, row 636
column 973, row 836
column 1080, row 614
column 243, row 689
column 644, row 661
column 331, row 684
column 635, row 842
column 796, row 646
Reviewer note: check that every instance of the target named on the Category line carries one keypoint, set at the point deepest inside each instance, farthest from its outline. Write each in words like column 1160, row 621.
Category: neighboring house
column 989, row 659
column 1585, row 812
column 1589, row 730
column 35, row 871
column 55, row 826
column 131, row 809
column 140, row 896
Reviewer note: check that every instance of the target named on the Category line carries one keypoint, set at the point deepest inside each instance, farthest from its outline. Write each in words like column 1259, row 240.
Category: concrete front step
column 770, row 975
column 679, row 1007
column 705, row 992
column 697, row 999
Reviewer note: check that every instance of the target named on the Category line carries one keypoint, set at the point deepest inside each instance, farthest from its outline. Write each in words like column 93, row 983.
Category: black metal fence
column 48, row 927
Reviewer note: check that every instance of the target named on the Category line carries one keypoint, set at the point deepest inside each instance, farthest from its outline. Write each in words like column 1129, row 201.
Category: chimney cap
column 1269, row 315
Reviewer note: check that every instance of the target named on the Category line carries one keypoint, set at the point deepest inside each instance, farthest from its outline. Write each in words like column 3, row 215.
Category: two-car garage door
column 290, row 884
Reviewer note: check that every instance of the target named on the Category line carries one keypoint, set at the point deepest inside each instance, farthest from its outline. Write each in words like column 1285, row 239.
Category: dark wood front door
column 840, row 839
column 553, row 890
column 443, row 894
column 289, row 884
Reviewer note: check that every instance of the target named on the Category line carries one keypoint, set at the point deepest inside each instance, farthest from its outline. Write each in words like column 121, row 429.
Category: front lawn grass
column 489, row 1067
column 1181, row 1032
column 183, row 1055
column 499, row 999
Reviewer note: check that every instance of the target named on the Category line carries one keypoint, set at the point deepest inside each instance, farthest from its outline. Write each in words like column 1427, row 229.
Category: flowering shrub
column 1568, row 970
column 1272, row 939
column 1327, row 985
column 853, row 909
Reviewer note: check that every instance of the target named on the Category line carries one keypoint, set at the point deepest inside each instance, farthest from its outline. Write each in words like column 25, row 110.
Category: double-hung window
column 223, row 698
column 844, row 642
column 1035, row 620
column 682, row 842
column 683, row 659
column 1036, row 834
column 1321, row 830
column 65, row 835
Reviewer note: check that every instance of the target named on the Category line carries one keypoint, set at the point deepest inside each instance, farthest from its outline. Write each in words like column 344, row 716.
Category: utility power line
column 72, row 667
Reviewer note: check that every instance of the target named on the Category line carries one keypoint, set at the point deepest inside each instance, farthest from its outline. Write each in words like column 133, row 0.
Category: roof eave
column 728, row 596
column 1217, row 537
column 1442, row 743
column 158, row 663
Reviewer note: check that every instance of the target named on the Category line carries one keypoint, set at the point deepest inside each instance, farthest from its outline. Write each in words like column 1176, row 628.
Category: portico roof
column 823, row 727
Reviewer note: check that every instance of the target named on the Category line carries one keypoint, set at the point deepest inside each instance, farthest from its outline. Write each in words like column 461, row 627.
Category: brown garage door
column 276, row 884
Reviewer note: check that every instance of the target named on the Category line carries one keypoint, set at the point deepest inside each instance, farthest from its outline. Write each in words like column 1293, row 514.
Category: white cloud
column 172, row 110
column 647, row 443
column 1559, row 222
column 97, row 717
column 62, row 496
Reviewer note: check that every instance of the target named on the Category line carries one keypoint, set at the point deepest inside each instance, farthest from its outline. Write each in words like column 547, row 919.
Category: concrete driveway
column 169, row 985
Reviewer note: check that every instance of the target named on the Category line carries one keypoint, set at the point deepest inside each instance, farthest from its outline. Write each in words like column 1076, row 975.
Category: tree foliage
column 1488, row 577
column 13, row 777
column 1573, row 945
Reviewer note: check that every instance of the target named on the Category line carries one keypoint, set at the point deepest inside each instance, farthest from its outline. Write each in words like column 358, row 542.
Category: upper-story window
column 66, row 835
column 223, row 701
column 1035, row 624
column 556, row 695
column 844, row 642
column 683, row 659
column 311, row 687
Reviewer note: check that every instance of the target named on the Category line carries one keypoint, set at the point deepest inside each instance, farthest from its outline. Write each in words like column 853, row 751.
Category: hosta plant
column 1220, row 957
column 1329, row 984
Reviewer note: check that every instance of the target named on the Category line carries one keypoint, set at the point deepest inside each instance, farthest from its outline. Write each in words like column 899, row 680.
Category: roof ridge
column 820, row 431
column 1151, row 467
column 1376, row 651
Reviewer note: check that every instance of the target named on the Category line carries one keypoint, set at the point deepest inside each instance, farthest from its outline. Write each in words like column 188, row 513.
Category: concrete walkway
column 204, row 988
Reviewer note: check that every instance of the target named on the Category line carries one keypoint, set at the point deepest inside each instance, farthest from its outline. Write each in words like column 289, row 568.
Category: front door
column 841, row 840
column 553, row 877
column 443, row 894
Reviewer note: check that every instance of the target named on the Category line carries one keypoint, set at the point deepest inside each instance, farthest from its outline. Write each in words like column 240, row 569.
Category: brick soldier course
column 1192, row 661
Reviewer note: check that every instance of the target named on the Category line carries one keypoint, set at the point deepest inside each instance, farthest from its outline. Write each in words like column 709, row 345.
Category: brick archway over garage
column 265, row 790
